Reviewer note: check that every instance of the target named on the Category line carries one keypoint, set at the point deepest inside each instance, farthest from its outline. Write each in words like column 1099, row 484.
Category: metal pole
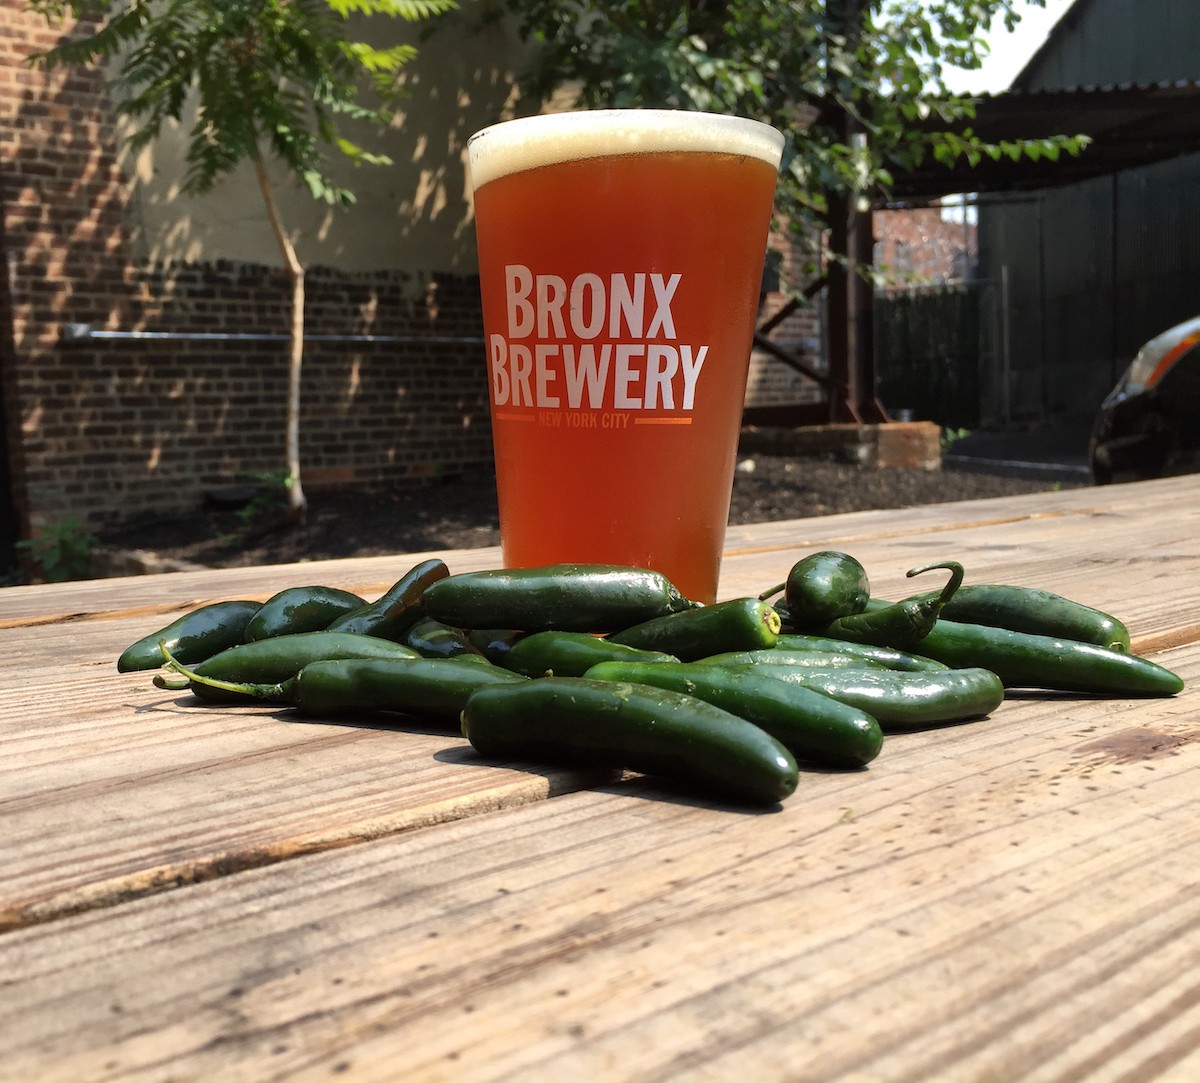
column 83, row 332
column 1005, row 348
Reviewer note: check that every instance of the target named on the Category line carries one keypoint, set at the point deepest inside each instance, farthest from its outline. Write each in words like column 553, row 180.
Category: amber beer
column 621, row 258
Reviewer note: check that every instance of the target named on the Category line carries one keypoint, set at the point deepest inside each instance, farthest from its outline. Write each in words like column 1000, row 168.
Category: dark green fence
column 927, row 353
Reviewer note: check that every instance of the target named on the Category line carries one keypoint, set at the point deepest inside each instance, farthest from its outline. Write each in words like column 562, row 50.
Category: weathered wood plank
column 111, row 787
column 155, row 600
column 1114, row 547
column 1009, row 899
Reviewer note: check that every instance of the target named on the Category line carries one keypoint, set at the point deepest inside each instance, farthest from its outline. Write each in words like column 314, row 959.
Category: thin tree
column 258, row 80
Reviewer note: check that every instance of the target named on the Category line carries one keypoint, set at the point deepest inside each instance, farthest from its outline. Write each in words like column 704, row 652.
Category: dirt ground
column 461, row 513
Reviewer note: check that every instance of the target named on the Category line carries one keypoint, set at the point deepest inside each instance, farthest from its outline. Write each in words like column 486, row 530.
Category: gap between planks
column 158, row 879
column 920, row 529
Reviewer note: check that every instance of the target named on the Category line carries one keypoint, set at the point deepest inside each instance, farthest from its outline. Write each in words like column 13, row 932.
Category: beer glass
column 621, row 260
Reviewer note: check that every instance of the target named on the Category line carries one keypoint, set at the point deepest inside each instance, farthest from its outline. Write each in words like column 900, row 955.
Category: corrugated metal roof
column 1070, row 19
column 1129, row 126
column 1034, row 92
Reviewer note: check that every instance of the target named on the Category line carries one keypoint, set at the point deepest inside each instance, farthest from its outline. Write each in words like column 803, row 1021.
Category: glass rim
column 548, row 138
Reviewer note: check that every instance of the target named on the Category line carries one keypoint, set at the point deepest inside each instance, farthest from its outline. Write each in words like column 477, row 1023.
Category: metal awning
column 1129, row 126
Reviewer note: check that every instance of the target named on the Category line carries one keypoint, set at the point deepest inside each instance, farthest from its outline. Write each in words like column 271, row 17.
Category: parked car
column 1149, row 425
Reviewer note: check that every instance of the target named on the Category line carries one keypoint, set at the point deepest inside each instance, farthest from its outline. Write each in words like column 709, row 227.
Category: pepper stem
column 955, row 581
column 258, row 691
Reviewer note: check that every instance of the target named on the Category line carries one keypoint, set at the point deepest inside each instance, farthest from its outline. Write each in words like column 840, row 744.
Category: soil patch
column 461, row 513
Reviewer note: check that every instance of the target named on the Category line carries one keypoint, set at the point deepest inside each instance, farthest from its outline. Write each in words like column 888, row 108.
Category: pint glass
column 621, row 260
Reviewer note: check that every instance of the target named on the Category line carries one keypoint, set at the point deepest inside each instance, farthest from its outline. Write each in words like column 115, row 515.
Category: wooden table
column 194, row 893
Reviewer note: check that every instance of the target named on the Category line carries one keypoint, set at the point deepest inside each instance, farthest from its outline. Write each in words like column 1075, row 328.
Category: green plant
column 62, row 550
column 274, row 486
column 951, row 436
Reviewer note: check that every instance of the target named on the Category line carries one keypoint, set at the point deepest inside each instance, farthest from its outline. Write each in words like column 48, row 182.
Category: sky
column 1009, row 52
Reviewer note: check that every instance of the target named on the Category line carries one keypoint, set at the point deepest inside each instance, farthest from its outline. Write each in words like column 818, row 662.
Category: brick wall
column 159, row 420
column 771, row 382
column 110, row 429
column 920, row 247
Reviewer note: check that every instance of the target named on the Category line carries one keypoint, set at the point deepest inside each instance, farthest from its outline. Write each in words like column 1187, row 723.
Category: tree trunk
column 297, row 502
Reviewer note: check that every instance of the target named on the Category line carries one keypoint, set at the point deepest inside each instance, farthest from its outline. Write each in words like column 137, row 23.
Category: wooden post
column 850, row 312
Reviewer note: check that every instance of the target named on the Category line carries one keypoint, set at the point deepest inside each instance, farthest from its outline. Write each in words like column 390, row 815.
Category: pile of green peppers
column 611, row 666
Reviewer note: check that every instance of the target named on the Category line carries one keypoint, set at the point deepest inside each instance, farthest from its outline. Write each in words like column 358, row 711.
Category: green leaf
column 386, row 60
column 411, row 10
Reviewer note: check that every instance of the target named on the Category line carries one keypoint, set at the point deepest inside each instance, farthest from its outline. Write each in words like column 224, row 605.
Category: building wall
column 1111, row 42
column 412, row 216
column 922, row 247
column 800, row 333
column 1083, row 275
column 146, row 422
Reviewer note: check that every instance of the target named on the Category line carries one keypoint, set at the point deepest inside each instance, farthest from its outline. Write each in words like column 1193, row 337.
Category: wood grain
column 196, row 892
column 1010, row 899
column 111, row 788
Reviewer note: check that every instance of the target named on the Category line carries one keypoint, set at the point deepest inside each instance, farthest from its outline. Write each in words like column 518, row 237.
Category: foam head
column 530, row 142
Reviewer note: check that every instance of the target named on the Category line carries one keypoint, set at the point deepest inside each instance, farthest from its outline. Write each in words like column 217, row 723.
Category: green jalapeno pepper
column 735, row 625
column 273, row 661
column 1039, row 612
column 558, row 597
column 1024, row 660
column 571, row 654
column 391, row 615
column 616, row 724
column 903, row 624
column 810, row 659
column 888, row 657
column 195, row 636
column 493, row 643
column 433, row 639
column 300, row 609
column 822, row 587
column 810, row 725
column 899, row 698
column 433, row 689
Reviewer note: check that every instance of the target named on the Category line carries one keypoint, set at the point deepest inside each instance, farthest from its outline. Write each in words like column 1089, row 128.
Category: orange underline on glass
column 517, row 417
column 662, row 420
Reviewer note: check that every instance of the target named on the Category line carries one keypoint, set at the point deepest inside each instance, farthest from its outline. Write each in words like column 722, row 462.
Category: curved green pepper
column 614, row 724
column 195, row 636
column 903, row 624
column 810, row 725
column 391, row 615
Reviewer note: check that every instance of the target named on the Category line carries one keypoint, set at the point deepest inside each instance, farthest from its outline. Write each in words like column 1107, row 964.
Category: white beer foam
column 517, row 145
